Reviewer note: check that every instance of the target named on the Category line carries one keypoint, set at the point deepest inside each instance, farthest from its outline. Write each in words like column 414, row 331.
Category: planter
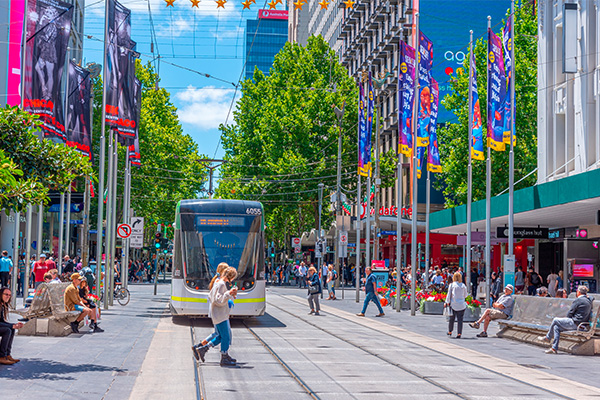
column 470, row 316
column 405, row 304
column 433, row 307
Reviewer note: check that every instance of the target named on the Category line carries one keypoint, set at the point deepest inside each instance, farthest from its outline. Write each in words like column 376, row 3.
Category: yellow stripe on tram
column 200, row 300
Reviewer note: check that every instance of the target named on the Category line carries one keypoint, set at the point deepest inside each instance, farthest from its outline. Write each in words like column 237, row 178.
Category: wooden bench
column 47, row 315
column 532, row 317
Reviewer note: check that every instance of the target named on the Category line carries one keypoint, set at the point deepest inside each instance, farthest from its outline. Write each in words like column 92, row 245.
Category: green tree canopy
column 284, row 139
column 454, row 137
column 32, row 166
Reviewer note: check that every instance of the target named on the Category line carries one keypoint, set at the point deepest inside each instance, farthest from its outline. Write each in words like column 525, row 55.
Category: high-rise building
column 298, row 19
column 265, row 37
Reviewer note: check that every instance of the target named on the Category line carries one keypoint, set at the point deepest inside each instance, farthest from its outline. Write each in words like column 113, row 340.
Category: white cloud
column 176, row 28
column 205, row 107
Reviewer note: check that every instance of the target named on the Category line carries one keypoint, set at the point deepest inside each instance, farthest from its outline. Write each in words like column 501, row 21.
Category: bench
column 47, row 315
column 532, row 317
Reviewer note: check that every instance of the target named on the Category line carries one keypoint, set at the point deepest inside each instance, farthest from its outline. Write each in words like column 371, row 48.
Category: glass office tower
column 265, row 36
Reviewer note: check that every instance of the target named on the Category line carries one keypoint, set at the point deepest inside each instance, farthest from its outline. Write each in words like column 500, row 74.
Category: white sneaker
column 543, row 339
column 551, row 351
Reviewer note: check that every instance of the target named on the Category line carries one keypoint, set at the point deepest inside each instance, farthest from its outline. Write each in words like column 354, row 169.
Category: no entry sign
column 124, row 231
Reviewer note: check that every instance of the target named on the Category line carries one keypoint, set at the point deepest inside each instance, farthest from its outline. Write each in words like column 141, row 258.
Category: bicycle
column 120, row 294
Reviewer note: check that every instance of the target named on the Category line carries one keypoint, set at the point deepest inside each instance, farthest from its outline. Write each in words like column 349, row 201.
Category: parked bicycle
column 120, row 294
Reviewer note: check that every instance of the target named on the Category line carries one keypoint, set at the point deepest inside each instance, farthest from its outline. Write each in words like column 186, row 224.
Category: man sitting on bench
column 580, row 312
column 74, row 303
column 502, row 309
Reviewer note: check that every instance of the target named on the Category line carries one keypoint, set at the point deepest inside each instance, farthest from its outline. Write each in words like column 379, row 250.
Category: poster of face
column 126, row 128
column 118, row 59
column 134, row 149
column 78, row 110
column 47, row 39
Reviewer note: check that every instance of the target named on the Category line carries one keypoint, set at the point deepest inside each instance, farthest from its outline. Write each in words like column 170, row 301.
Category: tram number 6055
column 253, row 211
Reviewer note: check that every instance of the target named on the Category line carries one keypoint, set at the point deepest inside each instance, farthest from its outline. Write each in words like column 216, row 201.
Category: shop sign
column 523, row 233
column 387, row 211
column 556, row 234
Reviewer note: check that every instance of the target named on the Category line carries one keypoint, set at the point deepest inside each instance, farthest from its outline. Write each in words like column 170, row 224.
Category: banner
column 475, row 114
column 119, row 92
column 507, row 43
column 496, row 93
column 425, row 64
column 364, row 159
column 406, row 97
column 134, row 148
column 127, row 113
column 48, row 30
column 433, row 151
column 79, row 126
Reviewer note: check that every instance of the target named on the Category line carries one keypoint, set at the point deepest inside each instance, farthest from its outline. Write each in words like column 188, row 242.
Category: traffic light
column 158, row 240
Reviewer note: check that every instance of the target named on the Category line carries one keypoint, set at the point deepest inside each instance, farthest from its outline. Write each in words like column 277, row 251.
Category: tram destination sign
column 523, row 233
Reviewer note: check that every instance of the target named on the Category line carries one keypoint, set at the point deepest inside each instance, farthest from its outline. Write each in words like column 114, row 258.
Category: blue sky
column 204, row 39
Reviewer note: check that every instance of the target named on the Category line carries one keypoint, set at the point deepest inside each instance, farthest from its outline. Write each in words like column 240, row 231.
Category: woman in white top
column 457, row 293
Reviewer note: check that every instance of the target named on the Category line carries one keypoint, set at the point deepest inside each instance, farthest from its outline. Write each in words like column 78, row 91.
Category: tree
column 170, row 169
column 453, row 138
column 284, row 138
column 33, row 166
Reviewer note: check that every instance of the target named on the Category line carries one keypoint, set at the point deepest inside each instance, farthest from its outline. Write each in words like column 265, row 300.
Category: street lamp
column 339, row 113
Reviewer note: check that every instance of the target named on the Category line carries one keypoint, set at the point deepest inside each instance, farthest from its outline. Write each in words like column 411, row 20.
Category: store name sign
column 523, row 233
column 388, row 211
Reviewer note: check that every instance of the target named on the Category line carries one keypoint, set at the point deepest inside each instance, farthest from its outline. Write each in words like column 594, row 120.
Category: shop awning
column 568, row 202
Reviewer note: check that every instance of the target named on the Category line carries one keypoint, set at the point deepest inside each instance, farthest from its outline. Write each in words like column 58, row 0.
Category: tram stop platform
column 145, row 354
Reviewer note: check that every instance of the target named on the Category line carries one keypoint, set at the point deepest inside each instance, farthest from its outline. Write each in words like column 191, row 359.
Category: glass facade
column 269, row 36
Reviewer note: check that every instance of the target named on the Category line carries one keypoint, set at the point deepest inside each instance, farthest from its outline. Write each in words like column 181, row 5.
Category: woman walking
column 457, row 293
column 7, row 329
column 219, row 298
column 314, row 291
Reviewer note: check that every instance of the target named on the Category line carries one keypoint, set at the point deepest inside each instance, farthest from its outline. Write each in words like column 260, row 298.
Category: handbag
column 313, row 289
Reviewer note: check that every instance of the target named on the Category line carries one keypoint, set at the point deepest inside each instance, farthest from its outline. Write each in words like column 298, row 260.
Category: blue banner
column 370, row 109
column 496, row 93
column 475, row 115
column 364, row 144
column 507, row 43
column 406, row 97
column 433, row 152
column 425, row 64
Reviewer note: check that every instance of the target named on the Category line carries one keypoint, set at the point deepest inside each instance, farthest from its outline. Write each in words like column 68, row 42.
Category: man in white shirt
column 302, row 271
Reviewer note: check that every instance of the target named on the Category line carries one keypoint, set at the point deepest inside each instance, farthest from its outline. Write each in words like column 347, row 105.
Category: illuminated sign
column 523, row 233
column 219, row 221
column 272, row 14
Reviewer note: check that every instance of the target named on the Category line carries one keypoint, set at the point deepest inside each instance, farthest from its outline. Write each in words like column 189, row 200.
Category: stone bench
column 46, row 315
column 532, row 317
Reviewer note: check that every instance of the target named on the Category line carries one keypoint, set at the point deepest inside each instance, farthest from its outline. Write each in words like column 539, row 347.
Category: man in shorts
column 502, row 309
column 74, row 303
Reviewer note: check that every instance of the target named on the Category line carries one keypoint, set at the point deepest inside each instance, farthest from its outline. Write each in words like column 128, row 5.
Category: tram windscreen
column 208, row 240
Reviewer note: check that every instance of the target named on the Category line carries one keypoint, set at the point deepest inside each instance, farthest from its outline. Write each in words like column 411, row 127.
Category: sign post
column 124, row 231
column 136, row 240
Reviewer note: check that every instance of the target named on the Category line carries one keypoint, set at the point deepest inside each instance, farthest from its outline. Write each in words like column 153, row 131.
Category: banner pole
column 427, row 211
column 15, row 257
column 100, row 197
column 488, row 208
column 413, row 249
column 511, row 174
column 358, row 207
column 109, row 221
column 113, row 235
column 470, row 173
column 399, row 200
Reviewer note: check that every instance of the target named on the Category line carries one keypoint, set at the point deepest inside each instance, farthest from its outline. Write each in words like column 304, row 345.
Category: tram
column 208, row 232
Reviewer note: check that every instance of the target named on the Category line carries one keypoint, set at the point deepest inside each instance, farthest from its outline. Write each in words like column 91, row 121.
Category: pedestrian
column 501, row 309
column 371, row 293
column 519, row 280
column 6, row 266
column 496, row 287
column 7, row 329
column 559, row 280
column 40, row 268
column 219, row 298
column 579, row 313
column 314, row 291
column 474, row 282
column 456, row 302
column 552, row 283
column 330, row 282
column 533, row 281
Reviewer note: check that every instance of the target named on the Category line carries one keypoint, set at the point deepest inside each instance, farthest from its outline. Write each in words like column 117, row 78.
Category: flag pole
column 100, row 221
column 488, row 191
column 413, row 249
column 470, row 170
column 358, row 202
column 511, row 174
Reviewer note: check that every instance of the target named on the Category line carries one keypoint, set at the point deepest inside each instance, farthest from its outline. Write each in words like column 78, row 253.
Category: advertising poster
column 78, row 110
column 48, row 30
column 507, row 44
column 364, row 145
column 17, row 10
column 425, row 63
column 406, row 94
column 370, row 110
column 134, row 148
column 496, row 93
column 433, row 152
column 475, row 115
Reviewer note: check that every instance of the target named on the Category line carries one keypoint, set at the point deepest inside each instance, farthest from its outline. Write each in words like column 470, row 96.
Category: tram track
column 406, row 369
column 198, row 379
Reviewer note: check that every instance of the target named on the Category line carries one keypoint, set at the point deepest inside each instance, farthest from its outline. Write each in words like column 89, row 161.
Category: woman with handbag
column 314, row 291
column 456, row 300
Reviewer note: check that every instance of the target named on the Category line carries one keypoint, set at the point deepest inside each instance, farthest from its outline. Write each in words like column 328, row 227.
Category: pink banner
column 14, row 52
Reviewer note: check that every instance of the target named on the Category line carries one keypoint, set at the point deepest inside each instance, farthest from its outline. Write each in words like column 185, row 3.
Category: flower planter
column 470, row 316
column 405, row 304
column 433, row 307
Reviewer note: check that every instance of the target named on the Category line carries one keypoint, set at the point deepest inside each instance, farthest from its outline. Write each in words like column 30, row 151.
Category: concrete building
column 298, row 24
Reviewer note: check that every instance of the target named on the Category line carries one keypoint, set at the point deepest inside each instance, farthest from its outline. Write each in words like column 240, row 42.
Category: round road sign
column 124, row 231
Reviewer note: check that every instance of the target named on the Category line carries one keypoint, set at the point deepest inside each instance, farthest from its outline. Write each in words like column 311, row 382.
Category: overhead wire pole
column 399, row 202
column 488, row 207
column 469, row 173
column 100, row 220
column 413, row 250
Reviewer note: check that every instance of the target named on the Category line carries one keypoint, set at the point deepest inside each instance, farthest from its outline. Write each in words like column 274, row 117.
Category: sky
column 191, row 42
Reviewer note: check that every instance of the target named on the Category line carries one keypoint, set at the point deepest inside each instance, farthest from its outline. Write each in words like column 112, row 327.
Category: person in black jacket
column 580, row 312
column 495, row 288
column 7, row 329
column 314, row 291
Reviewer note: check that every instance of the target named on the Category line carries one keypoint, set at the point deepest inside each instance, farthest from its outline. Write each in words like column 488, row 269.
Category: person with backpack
column 534, row 281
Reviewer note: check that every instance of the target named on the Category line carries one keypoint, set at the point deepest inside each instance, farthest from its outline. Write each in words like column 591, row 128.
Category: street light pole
column 319, row 239
column 339, row 114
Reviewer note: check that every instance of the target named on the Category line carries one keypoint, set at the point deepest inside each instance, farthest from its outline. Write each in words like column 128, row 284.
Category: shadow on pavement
column 35, row 368
column 264, row 321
